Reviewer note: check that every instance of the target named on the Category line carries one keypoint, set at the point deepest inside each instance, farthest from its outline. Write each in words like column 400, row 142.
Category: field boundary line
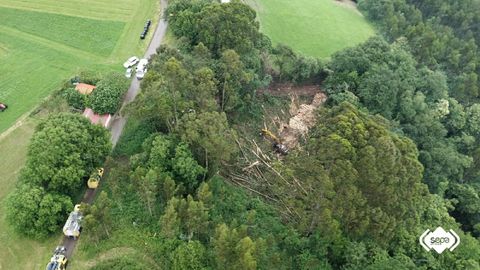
column 50, row 44
column 39, row 10
column 19, row 122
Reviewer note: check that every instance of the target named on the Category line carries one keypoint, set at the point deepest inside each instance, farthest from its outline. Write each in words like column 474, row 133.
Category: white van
column 142, row 68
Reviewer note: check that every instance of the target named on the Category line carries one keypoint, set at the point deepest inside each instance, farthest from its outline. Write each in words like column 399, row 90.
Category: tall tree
column 97, row 218
column 234, row 80
column 186, row 168
column 146, row 182
column 108, row 95
column 228, row 26
column 165, row 94
column 196, row 220
column 233, row 250
column 209, row 134
column 169, row 222
column 178, row 83
column 205, row 90
column 34, row 212
column 64, row 150
column 189, row 256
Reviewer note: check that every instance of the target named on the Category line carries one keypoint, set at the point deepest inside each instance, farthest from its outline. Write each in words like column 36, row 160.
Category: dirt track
column 119, row 122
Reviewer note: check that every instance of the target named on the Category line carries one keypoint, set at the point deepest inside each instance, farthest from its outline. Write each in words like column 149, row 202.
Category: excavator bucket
column 281, row 148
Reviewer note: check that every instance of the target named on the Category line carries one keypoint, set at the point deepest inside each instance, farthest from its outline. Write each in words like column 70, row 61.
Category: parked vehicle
column 132, row 61
column 141, row 69
column 147, row 25
column 73, row 225
column 128, row 73
column 58, row 261
column 3, row 107
column 95, row 178
column 145, row 29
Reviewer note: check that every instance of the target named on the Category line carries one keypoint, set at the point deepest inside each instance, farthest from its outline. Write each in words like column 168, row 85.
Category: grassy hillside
column 43, row 42
column 313, row 27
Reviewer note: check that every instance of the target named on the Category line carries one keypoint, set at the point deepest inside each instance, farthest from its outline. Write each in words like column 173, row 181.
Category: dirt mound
column 303, row 118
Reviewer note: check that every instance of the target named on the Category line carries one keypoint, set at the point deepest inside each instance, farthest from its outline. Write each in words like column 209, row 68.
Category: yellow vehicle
column 58, row 260
column 277, row 143
column 95, row 178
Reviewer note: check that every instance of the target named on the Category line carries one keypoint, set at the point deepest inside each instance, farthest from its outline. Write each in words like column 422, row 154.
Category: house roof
column 85, row 89
column 97, row 119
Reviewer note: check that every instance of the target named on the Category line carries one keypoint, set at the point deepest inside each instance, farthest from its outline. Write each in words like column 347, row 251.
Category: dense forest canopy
column 442, row 35
column 359, row 192
column 443, row 38
column 394, row 151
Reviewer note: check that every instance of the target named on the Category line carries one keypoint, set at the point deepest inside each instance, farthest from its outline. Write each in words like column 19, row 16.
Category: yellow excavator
column 95, row 178
column 276, row 142
column 59, row 260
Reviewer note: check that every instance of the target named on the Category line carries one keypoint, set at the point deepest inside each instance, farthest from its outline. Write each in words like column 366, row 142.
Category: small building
column 85, row 89
column 97, row 119
column 225, row 1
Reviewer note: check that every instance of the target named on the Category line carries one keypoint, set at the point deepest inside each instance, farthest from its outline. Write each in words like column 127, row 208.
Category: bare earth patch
column 303, row 118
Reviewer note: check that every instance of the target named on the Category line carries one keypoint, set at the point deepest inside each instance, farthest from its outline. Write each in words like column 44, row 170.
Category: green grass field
column 313, row 27
column 43, row 42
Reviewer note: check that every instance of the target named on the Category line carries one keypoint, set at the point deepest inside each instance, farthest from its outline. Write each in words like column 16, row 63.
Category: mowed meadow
column 43, row 43
column 316, row 28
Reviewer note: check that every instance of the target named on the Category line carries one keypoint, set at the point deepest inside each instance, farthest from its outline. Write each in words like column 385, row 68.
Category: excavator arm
column 269, row 135
column 277, row 143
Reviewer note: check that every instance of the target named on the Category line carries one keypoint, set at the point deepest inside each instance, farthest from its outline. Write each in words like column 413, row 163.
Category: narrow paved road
column 119, row 123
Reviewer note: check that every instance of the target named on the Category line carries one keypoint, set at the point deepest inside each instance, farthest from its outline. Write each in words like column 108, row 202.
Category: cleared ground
column 43, row 42
column 313, row 27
